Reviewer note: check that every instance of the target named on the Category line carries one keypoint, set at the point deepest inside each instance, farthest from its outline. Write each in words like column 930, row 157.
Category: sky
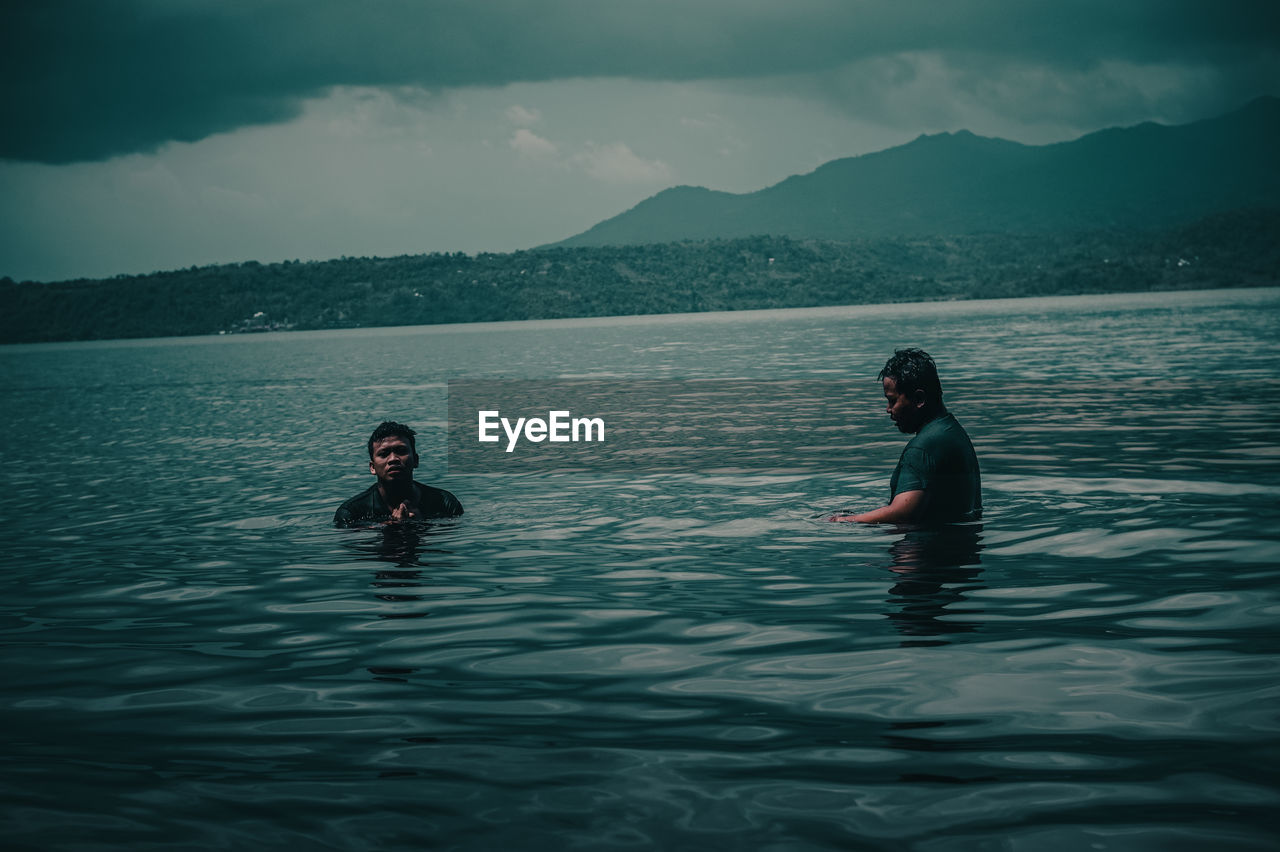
column 146, row 135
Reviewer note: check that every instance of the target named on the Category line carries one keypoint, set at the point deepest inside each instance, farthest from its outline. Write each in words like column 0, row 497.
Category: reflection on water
column 197, row 658
column 936, row 568
column 402, row 544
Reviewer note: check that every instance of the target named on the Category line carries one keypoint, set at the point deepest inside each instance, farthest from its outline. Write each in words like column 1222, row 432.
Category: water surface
column 195, row 658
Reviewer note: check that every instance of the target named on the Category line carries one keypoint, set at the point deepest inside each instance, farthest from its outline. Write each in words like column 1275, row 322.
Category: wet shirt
column 369, row 505
column 940, row 461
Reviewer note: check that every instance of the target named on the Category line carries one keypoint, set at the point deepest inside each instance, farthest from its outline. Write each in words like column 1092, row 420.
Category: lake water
column 195, row 658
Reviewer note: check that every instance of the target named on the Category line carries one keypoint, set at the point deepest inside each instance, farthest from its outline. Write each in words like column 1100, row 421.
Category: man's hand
column 903, row 510
column 404, row 512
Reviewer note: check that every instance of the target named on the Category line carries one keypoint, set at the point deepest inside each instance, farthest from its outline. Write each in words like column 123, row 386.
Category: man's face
column 905, row 411
column 393, row 460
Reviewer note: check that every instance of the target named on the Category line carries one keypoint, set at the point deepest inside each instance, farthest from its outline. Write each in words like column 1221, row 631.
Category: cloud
column 531, row 144
column 614, row 163
column 617, row 163
column 708, row 123
column 938, row 90
column 84, row 80
column 523, row 116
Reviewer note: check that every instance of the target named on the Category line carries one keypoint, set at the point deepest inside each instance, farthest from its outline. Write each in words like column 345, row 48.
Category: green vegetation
column 1229, row 250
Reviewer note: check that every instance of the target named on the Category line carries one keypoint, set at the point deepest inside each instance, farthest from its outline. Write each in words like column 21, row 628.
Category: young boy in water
column 393, row 456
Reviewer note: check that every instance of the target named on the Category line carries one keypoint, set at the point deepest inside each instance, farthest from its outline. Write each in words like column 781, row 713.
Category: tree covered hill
column 1241, row 248
column 958, row 183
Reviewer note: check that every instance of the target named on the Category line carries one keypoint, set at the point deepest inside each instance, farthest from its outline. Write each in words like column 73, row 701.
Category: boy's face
column 393, row 460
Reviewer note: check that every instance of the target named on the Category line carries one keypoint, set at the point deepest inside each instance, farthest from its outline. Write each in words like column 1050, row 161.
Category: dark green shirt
column 369, row 505
column 940, row 461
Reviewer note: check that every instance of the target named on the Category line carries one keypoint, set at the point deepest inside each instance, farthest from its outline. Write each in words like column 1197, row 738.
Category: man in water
column 937, row 478
column 395, row 496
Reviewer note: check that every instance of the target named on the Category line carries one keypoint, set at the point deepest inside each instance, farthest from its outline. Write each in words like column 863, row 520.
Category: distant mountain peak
column 1143, row 176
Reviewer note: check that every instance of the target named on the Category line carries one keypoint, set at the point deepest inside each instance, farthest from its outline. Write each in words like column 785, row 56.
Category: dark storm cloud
column 87, row 80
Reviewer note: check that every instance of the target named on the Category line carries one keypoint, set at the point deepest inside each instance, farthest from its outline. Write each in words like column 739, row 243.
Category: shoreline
column 1104, row 301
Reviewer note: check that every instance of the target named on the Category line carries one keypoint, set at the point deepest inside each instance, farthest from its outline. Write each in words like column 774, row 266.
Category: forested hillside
column 1237, row 249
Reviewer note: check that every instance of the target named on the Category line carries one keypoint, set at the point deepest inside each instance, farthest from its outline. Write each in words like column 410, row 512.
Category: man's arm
column 905, row 507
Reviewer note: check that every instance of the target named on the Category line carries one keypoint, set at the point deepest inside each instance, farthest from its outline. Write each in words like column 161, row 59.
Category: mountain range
column 1146, row 176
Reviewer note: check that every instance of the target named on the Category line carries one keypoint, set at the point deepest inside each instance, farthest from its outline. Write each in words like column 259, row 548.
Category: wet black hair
column 913, row 370
column 390, row 428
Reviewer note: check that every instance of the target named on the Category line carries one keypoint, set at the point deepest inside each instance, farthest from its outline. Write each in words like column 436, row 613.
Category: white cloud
column 523, row 116
column 617, row 163
column 708, row 123
column 531, row 144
